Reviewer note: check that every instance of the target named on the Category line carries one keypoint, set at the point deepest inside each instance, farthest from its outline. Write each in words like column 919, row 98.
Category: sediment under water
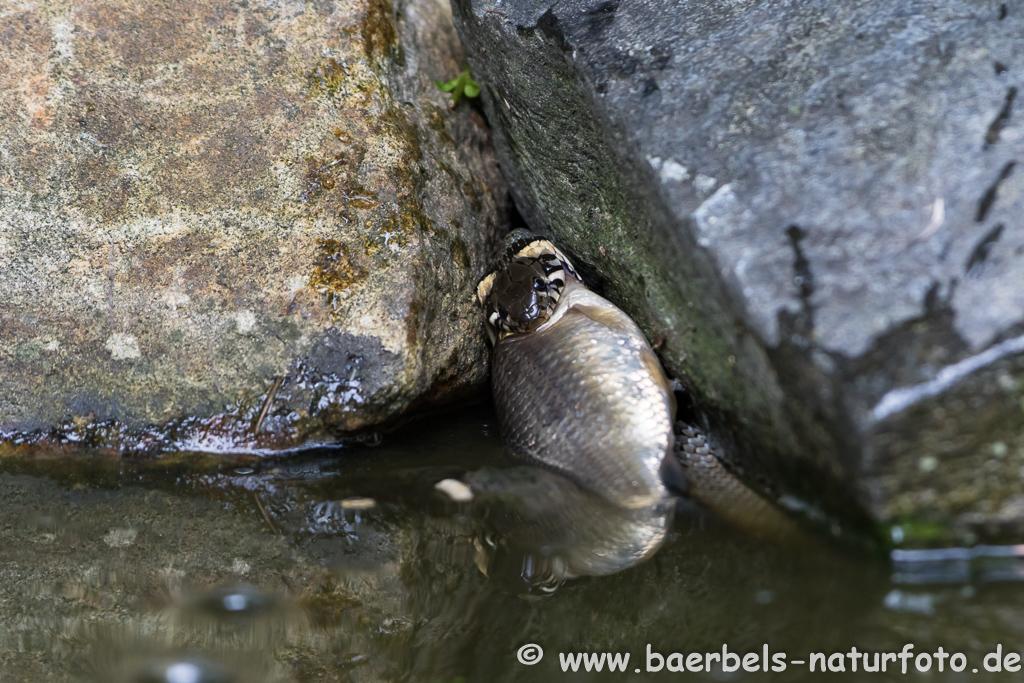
column 348, row 565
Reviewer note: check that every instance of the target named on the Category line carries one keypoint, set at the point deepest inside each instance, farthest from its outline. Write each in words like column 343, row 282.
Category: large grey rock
column 813, row 205
column 198, row 199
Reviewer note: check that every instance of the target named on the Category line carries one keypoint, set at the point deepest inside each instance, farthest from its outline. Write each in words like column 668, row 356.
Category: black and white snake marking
column 579, row 390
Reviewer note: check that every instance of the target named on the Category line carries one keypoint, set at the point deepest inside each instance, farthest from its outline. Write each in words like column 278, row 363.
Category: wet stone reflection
column 195, row 670
column 410, row 561
column 240, row 613
column 231, row 603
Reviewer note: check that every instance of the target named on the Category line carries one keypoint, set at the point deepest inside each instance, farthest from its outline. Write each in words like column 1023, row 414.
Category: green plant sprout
column 463, row 84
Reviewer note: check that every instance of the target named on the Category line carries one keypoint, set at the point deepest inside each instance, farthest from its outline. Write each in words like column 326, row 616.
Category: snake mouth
column 521, row 294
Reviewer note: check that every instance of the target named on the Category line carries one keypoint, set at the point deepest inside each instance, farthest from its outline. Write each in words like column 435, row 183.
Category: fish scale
column 576, row 396
column 579, row 390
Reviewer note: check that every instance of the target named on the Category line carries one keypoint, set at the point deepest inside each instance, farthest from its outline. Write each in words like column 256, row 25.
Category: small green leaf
column 463, row 84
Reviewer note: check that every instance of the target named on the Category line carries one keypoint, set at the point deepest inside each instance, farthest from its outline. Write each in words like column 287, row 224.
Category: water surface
column 348, row 565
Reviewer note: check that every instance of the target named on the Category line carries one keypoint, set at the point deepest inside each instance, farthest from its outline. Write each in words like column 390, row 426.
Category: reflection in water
column 219, row 634
column 983, row 563
column 125, row 574
column 233, row 602
column 192, row 670
column 241, row 613
column 538, row 528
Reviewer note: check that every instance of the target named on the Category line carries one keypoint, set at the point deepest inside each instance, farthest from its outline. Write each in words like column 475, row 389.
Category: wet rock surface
column 809, row 208
column 219, row 208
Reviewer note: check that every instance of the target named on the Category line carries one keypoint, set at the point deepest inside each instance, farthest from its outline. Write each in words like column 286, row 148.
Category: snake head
column 521, row 294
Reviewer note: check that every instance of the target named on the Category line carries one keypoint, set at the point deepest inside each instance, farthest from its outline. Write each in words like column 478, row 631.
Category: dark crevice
column 515, row 216
column 600, row 18
column 549, row 25
column 687, row 409
column 606, row 8
column 1000, row 68
column 934, row 303
column 802, row 276
column 989, row 198
column 803, row 323
column 662, row 55
column 907, row 353
column 1002, row 11
column 992, row 136
column 981, row 251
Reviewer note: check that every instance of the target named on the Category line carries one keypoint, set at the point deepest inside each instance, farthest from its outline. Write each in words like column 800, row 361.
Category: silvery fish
column 576, row 386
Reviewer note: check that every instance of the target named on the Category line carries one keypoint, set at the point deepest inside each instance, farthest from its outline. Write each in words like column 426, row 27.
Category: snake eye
column 540, row 285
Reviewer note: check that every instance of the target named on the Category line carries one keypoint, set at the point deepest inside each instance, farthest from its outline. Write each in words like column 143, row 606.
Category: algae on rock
column 812, row 206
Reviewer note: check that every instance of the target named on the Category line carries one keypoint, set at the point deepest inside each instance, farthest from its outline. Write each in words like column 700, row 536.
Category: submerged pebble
column 455, row 489
column 358, row 503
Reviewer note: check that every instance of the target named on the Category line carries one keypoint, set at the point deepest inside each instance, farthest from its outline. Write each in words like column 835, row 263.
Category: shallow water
column 138, row 572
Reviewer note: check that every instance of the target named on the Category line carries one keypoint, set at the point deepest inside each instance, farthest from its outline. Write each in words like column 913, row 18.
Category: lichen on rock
column 196, row 203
